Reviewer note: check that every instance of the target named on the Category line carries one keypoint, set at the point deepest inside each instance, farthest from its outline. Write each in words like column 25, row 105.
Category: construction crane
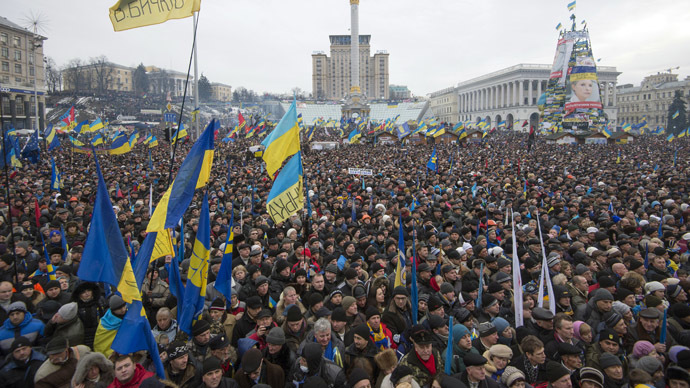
column 670, row 70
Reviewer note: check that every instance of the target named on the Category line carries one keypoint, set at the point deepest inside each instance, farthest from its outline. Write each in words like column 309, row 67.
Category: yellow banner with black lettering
column 128, row 14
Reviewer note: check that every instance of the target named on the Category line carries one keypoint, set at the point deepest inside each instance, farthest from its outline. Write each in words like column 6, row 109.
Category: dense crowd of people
column 315, row 302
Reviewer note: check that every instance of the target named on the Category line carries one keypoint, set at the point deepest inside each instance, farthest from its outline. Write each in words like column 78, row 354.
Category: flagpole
column 195, row 18
column 184, row 98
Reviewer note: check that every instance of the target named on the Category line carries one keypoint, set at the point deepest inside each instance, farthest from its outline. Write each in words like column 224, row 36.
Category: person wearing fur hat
column 93, row 371
column 386, row 361
column 498, row 357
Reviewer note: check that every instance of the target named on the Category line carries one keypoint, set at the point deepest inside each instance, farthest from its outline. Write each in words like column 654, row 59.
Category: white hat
column 644, row 222
column 686, row 237
column 466, row 246
column 461, row 251
column 653, row 286
column 591, row 250
column 592, row 229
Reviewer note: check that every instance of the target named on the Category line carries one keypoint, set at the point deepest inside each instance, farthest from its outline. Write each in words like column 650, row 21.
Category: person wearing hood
column 110, row 323
column 21, row 364
column 19, row 323
column 93, row 371
column 254, row 370
column 90, row 308
column 462, row 345
column 361, row 352
column 312, row 363
column 66, row 323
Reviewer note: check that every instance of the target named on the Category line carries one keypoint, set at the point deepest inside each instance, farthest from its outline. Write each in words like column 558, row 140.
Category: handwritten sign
column 360, row 171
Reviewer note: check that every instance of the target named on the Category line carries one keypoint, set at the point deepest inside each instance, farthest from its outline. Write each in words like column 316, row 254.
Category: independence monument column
column 355, row 102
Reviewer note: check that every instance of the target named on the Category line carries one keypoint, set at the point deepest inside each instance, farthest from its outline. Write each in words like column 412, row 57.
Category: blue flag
column 31, row 149
column 224, row 279
column 197, row 276
column 413, row 288
column 105, row 257
column 449, row 348
column 135, row 334
column 431, row 164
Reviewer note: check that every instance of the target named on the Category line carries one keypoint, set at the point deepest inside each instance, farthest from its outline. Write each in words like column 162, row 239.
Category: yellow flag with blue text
column 197, row 275
column 287, row 197
column 127, row 14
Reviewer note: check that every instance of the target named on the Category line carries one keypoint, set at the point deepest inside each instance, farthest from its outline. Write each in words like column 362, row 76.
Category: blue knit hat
column 501, row 324
column 459, row 331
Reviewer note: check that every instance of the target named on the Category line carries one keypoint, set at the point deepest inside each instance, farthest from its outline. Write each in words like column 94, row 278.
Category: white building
column 510, row 94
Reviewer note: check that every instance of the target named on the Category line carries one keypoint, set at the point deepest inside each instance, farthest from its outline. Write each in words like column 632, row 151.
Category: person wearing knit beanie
column 642, row 348
column 557, row 374
column 651, row 365
column 512, row 375
column 673, row 352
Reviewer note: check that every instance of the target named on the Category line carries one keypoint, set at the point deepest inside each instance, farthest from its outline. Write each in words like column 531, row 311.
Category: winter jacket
column 21, row 375
column 271, row 374
column 332, row 374
column 50, row 375
column 419, row 371
column 170, row 331
column 91, row 311
column 140, row 375
column 73, row 330
column 30, row 327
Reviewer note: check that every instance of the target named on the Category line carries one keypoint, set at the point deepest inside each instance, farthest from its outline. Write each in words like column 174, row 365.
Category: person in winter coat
column 93, row 371
column 256, row 370
column 423, row 359
column 212, row 375
column 475, row 373
column 462, row 345
column 498, row 357
column 21, row 321
column 165, row 324
column 312, row 363
column 361, row 352
column 154, row 296
column 110, row 323
column 66, row 323
column 90, row 308
column 20, row 366
column 58, row 369
column 129, row 374
column 277, row 352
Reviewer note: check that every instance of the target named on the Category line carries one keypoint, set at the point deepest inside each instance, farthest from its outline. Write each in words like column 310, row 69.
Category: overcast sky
column 266, row 45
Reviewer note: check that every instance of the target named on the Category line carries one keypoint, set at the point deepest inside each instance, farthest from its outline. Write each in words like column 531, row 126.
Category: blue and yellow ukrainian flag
column 98, row 139
column 286, row 196
column 83, row 126
column 105, row 256
column 153, row 142
column 559, row 26
column 431, row 164
column 76, row 142
column 155, row 246
column 197, row 275
column 627, row 127
column 120, row 145
column 133, row 139
column 193, row 174
column 606, row 132
column 55, row 176
column 682, row 133
column 96, row 125
column 670, row 138
column 224, row 278
column 675, row 115
column 571, row 6
column 50, row 135
column 181, row 133
column 136, row 335
column 354, row 136
column 400, row 267
column 282, row 142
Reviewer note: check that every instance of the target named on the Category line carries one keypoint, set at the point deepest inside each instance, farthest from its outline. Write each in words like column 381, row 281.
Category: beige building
column 21, row 67
column 98, row 77
column 652, row 99
column 444, row 105
column 331, row 75
column 163, row 81
column 221, row 92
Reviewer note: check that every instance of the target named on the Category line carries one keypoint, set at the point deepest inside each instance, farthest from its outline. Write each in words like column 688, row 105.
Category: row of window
column 648, row 96
column 5, row 39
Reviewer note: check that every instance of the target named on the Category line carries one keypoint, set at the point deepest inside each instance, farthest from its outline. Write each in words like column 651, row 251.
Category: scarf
column 332, row 354
column 532, row 371
column 429, row 364
column 380, row 340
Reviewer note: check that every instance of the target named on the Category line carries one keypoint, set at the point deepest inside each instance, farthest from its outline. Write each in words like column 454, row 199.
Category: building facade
column 331, row 75
column 22, row 76
column 399, row 92
column 98, row 77
column 511, row 95
column 652, row 99
column 221, row 92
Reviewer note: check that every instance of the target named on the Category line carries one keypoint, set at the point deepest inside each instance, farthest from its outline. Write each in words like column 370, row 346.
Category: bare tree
column 53, row 75
column 102, row 73
column 74, row 75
